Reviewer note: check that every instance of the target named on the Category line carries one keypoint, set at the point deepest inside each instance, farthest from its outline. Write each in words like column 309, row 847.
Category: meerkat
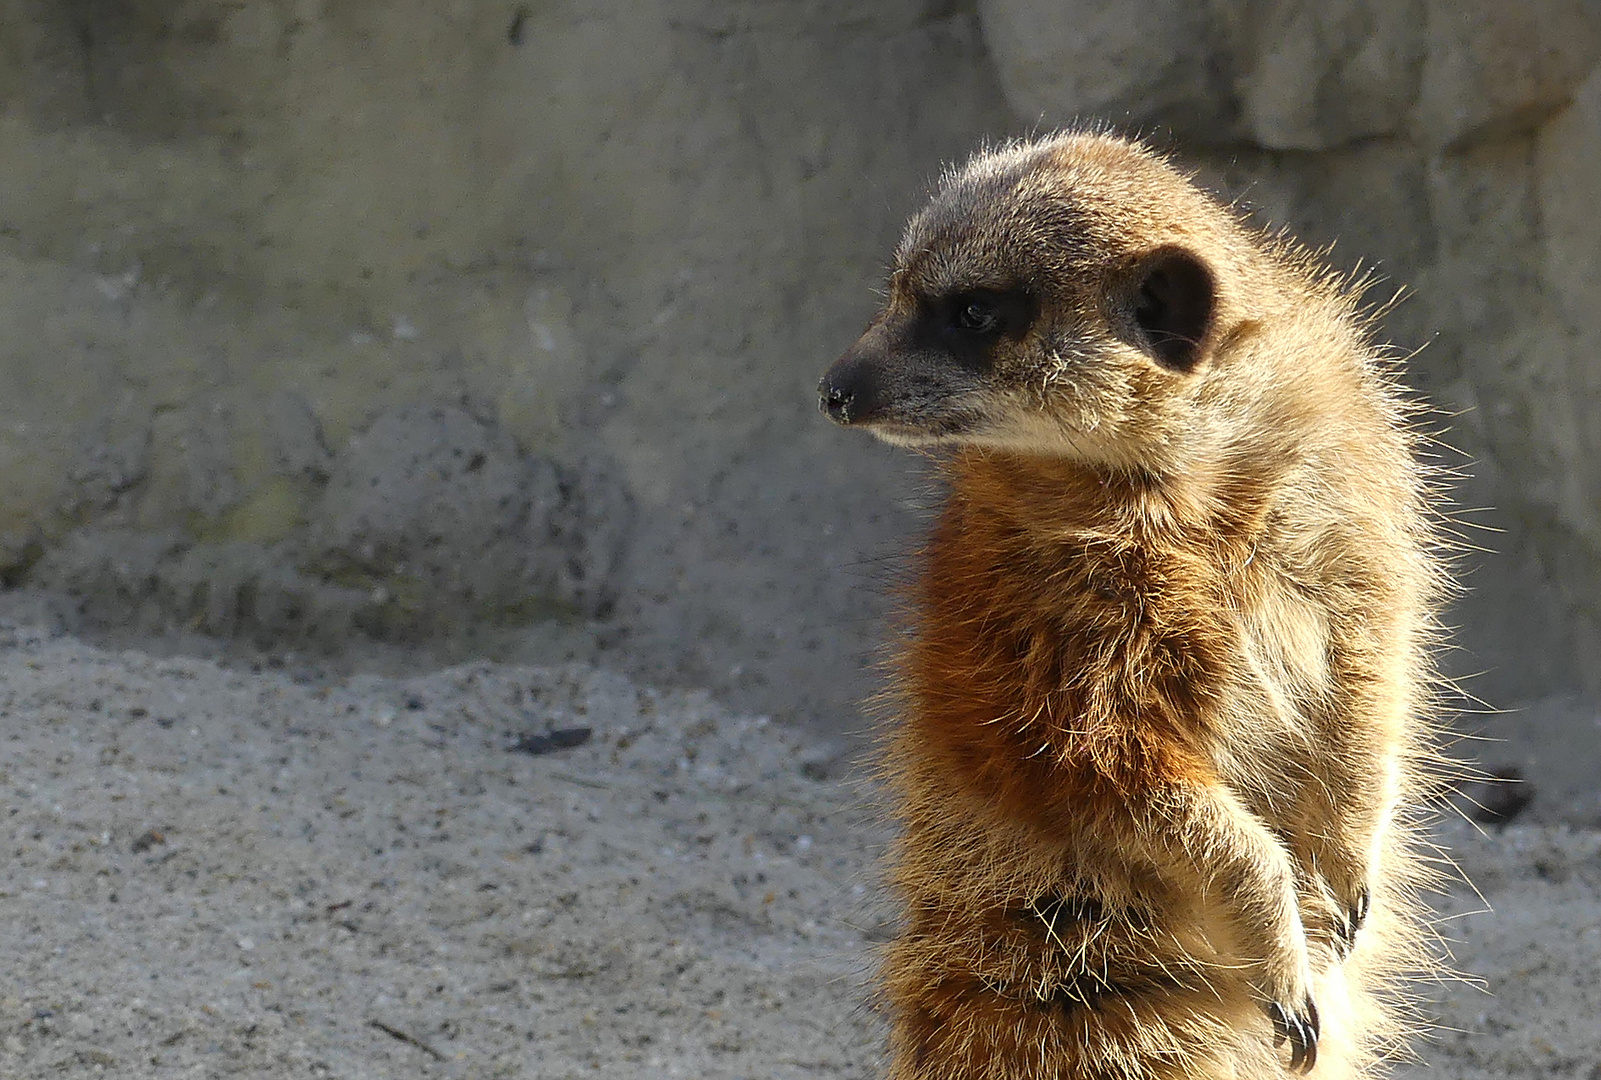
column 1163, row 703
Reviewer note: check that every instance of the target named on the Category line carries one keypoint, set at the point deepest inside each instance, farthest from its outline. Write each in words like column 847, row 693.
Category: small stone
column 551, row 741
column 147, row 840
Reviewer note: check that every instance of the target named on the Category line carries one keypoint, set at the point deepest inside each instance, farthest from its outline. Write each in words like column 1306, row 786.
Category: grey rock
column 299, row 451
column 1303, row 76
column 1567, row 164
column 1296, row 76
column 126, row 580
column 436, row 505
column 192, row 474
column 112, row 458
column 1311, row 76
column 1494, row 68
column 1144, row 64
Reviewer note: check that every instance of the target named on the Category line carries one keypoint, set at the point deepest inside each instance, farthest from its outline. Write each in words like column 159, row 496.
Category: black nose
column 853, row 390
column 835, row 401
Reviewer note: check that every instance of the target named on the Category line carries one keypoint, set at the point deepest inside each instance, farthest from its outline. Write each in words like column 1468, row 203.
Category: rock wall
column 397, row 318
column 275, row 275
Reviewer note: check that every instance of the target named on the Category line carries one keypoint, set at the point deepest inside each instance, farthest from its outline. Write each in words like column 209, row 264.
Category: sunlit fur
column 1161, row 710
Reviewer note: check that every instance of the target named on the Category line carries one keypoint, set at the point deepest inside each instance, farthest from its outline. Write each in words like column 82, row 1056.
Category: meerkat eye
column 977, row 317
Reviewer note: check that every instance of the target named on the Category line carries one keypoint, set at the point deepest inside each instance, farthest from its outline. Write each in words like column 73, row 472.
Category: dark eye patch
column 985, row 313
column 965, row 325
column 962, row 327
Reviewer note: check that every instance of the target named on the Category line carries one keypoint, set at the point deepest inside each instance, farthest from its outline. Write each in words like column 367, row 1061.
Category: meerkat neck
column 1044, row 497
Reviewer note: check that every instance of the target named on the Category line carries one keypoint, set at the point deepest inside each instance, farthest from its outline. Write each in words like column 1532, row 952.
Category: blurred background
column 392, row 332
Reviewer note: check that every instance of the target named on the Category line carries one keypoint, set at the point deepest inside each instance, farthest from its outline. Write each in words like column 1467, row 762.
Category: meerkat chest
column 1045, row 675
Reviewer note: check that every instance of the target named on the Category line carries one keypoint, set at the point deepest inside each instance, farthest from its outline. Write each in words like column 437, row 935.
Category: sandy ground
column 219, row 872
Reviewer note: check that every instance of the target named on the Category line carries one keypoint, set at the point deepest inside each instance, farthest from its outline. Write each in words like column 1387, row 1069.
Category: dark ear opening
column 1173, row 306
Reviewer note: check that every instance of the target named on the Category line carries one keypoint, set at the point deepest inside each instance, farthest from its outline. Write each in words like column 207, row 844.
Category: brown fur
column 1160, row 723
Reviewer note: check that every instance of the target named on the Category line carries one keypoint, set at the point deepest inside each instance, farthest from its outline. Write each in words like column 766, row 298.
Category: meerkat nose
column 859, row 385
column 835, row 401
column 852, row 390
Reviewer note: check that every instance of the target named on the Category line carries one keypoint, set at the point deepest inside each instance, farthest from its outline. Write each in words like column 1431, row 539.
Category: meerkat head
column 1062, row 297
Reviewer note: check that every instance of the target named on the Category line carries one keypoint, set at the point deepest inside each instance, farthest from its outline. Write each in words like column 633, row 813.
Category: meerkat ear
column 1173, row 306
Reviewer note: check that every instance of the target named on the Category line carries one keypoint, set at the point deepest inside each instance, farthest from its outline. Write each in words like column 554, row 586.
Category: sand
column 217, row 871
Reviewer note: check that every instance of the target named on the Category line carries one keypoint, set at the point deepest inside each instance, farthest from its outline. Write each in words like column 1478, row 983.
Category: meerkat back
column 1163, row 706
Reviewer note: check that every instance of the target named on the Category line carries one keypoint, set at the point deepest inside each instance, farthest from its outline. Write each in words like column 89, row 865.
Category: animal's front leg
column 1253, row 876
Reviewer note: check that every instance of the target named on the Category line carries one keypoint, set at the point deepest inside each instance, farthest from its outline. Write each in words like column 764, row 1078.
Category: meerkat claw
column 1359, row 913
column 1301, row 1029
column 1353, row 918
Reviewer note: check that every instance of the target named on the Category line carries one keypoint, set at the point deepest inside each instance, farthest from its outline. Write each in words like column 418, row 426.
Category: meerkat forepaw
column 1301, row 1027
